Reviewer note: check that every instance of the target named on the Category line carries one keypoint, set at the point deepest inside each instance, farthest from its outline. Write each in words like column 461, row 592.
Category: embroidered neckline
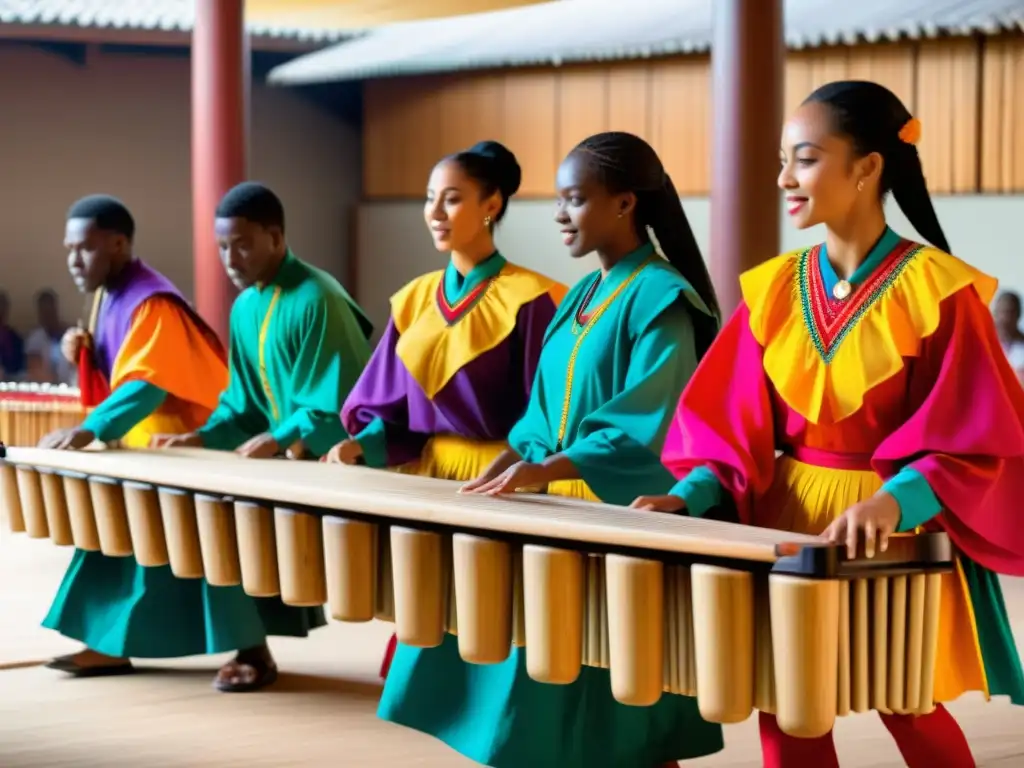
column 582, row 317
column 829, row 320
column 581, row 334
column 452, row 313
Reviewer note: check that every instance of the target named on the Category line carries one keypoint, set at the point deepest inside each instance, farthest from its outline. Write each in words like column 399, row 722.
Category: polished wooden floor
column 321, row 713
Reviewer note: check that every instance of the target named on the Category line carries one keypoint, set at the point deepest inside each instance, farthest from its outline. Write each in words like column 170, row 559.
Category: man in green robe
column 298, row 343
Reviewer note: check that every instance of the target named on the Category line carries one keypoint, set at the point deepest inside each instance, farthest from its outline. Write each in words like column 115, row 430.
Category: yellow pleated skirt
column 157, row 423
column 450, row 457
column 805, row 499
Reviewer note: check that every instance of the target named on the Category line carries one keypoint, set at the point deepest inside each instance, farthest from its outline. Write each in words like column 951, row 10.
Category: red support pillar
column 220, row 138
column 747, row 59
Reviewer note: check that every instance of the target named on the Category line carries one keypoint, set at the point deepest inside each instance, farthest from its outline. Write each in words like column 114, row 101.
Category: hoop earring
column 487, row 221
column 860, row 185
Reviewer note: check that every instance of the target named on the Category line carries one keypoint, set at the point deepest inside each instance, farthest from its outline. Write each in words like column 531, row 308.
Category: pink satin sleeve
column 724, row 419
column 967, row 435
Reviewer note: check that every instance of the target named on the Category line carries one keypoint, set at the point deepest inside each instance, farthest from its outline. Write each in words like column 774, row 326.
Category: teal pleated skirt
column 995, row 635
column 115, row 606
column 496, row 715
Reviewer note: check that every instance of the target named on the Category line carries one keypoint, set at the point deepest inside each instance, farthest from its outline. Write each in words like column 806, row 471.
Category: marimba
column 739, row 617
column 28, row 412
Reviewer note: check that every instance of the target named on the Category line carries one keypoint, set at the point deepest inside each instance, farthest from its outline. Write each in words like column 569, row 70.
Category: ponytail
column 627, row 163
column 874, row 120
column 662, row 211
column 910, row 190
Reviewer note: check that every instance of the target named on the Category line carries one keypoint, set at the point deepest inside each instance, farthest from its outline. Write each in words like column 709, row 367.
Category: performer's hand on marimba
column 505, row 460
column 877, row 517
column 346, row 452
column 188, row 440
column 71, row 343
column 67, row 439
column 260, row 447
column 667, row 503
column 520, row 476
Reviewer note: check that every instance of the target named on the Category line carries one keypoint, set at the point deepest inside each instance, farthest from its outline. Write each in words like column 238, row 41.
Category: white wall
column 121, row 125
column 394, row 246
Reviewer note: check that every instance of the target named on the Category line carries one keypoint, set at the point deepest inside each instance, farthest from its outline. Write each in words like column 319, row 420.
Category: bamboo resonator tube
column 29, row 412
column 736, row 636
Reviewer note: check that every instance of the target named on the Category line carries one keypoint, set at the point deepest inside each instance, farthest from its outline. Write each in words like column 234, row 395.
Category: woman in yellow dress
column 872, row 364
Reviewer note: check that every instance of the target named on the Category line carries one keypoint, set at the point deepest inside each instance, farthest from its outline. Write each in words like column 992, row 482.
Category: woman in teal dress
column 622, row 346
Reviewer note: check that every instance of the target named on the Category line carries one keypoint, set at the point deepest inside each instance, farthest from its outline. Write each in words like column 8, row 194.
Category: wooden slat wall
column 1002, row 115
column 968, row 93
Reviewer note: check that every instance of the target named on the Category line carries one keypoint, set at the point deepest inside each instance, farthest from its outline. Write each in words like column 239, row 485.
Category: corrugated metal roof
column 146, row 15
column 592, row 30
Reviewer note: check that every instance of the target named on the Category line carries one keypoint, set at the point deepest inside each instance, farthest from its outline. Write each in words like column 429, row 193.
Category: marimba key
column 81, row 516
column 111, row 517
column 184, row 549
column 257, row 549
column 764, row 663
column 860, row 678
column 805, row 628
column 419, row 581
column 483, row 597
column 33, row 507
column 918, row 584
column 553, row 590
column 350, row 555
column 11, row 498
column 300, row 558
column 217, row 541
column 636, row 639
column 843, row 685
column 518, row 605
column 385, row 590
column 724, row 642
column 880, row 646
column 145, row 524
column 897, row 644
column 58, row 520
column 930, row 640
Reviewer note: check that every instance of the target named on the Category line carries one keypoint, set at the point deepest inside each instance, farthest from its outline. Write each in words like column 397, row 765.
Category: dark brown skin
column 252, row 255
column 95, row 256
column 591, row 217
column 250, row 252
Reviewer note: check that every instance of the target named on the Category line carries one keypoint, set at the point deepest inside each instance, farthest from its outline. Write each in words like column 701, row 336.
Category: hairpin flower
column 910, row 133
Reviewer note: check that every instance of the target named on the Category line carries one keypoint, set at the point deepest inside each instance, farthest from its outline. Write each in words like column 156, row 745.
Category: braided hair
column 627, row 163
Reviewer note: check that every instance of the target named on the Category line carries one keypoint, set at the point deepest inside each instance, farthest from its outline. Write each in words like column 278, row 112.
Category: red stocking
column 934, row 740
column 389, row 654
column 781, row 751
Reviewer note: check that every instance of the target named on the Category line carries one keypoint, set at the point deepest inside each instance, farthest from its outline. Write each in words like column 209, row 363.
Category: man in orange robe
column 162, row 369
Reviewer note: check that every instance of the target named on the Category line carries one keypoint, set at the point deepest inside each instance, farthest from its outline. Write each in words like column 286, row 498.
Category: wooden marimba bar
column 739, row 617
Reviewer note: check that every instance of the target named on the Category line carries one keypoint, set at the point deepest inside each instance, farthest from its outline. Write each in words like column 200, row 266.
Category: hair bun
column 508, row 174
